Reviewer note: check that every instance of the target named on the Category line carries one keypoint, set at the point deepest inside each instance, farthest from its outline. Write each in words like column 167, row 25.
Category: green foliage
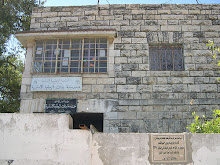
column 15, row 15
column 215, row 49
column 201, row 125
column 10, row 73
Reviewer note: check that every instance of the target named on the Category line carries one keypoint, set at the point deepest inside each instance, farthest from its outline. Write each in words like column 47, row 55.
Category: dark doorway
column 95, row 119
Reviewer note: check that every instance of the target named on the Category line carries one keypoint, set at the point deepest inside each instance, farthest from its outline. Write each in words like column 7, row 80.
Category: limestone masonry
column 139, row 92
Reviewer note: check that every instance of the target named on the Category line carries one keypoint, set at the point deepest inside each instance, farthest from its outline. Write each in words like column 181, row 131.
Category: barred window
column 87, row 55
column 166, row 57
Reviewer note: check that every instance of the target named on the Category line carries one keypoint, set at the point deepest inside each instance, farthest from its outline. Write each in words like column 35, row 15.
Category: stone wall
column 39, row 139
column 132, row 97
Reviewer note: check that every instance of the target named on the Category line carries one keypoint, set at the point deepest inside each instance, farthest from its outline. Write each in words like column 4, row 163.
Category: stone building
column 128, row 68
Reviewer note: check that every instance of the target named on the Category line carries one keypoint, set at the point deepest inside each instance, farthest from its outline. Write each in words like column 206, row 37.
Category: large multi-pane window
column 87, row 55
column 166, row 57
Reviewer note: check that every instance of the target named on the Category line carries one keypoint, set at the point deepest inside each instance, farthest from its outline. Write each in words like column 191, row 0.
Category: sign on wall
column 168, row 148
column 61, row 106
column 56, row 84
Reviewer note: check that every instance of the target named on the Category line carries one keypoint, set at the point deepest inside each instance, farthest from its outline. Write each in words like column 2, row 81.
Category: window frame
column 172, row 46
column 81, row 56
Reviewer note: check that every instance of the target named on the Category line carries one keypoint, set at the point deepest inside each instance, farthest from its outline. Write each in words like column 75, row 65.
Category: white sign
column 56, row 84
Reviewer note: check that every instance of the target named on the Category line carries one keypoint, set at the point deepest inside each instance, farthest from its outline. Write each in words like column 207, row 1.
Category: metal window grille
column 87, row 55
column 166, row 57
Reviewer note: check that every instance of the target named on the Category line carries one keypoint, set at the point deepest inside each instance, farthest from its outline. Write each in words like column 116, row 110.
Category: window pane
column 67, row 56
column 169, row 57
column 38, row 67
column 154, row 58
column 178, row 58
column 103, row 40
column 166, row 57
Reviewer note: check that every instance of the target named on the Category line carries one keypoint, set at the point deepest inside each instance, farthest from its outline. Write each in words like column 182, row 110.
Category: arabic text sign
column 57, row 84
column 60, row 106
column 168, row 148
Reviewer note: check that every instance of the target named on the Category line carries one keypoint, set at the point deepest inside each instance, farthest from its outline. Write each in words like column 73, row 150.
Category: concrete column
column 29, row 55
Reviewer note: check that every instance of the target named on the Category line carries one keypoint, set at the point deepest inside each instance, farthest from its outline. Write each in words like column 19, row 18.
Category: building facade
column 133, row 68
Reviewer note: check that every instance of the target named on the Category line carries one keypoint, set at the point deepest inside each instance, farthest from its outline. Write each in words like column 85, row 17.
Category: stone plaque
column 61, row 106
column 57, row 84
column 168, row 148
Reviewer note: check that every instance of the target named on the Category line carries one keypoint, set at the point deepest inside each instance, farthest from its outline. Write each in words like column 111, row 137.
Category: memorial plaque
column 61, row 106
column 168, row 148
column 56, row 84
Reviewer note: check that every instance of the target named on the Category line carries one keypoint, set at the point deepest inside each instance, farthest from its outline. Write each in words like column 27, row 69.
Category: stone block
column 93, row 96
column 188, row 80
column 196, row 73
column 144, row 88
column 89, row 80
column 139, row 40
column 126, row 88
column 126, row 95
column 147, row 28
column 148, row 115
column 135, row 60
column 149, row 80
column 194, row 88
column 162, row 22
column 129, row 67
column 163, row 11
column 172, row 22
column 174, row 80
column 97, row 88
column 123, row 74
column 120, row 80
column 179, row 73
column 160, row 73
column 179, row 12
column 86, row 88
column 128, row 102
column 110, row 115
column 194, row 12
column 209, row 28
column 69, row 19
column 35, row 26
column 208, row 87
column 140, row 34
column 134, row 80
column 170, row 28
column 105, row 81
column 110, row 88
column 53, row 19
column 99, row 23
column 139, row 73
column 133, row 46
column 49, row 14
column 108, row 95
column 143, row 67
column 36, row 15
column 114, row 130
column 81, row 23
column 172, row 17
column 121, row 60
column 162, row 88
column 135, row 108
column 119, row 22
column 161, row 80
column 164, row 115
column 179, row 88
column 127, row 115
column 114, row 123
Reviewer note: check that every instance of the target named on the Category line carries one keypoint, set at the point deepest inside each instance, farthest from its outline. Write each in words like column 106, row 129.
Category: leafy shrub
column 201, row 125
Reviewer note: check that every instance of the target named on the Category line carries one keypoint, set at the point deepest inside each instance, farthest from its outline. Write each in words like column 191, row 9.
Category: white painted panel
column 57, row 84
